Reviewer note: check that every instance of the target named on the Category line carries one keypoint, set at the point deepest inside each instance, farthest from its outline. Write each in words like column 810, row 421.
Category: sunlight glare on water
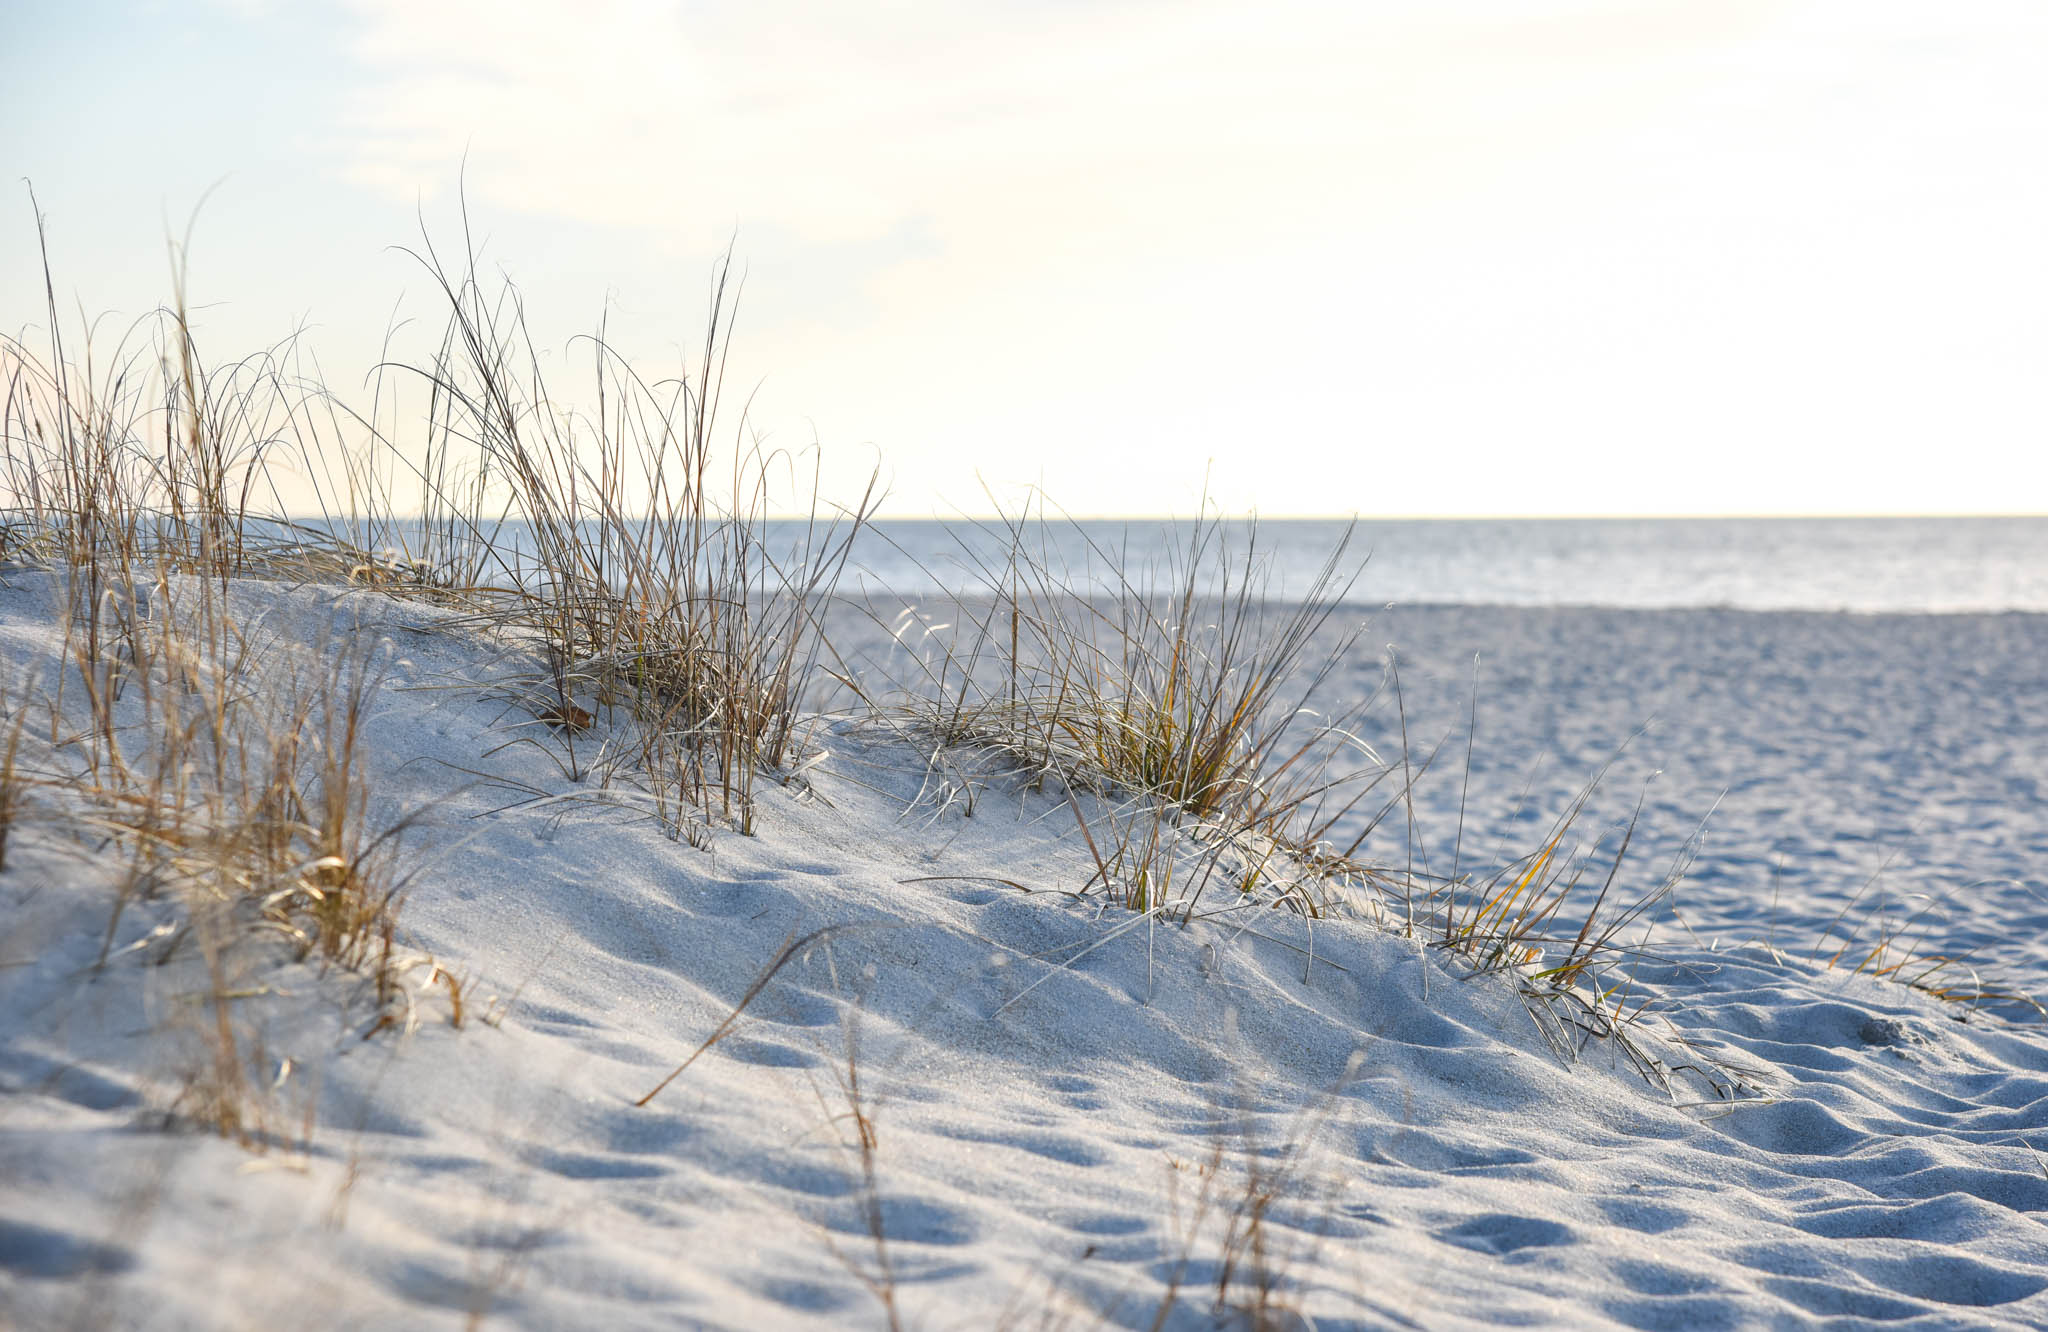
column 1853, row 564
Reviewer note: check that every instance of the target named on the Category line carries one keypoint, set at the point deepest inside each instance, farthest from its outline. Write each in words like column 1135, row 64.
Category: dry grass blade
column 650, row 586
column 790, row 951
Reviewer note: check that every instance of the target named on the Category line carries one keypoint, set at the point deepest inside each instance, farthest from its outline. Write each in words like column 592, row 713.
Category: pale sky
column 1394, row 257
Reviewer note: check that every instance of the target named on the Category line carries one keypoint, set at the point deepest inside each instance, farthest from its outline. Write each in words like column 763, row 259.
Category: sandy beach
column 972, row 1095
column 1024, row 667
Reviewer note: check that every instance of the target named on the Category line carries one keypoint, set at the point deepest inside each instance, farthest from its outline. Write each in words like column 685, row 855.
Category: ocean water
column 1825, row 564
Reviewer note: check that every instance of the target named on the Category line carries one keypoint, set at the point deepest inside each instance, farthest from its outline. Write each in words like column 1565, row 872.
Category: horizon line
column 1165, row 516
column 799, row 516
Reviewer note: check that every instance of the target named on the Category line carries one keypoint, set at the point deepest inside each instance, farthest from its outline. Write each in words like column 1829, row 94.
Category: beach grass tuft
column 666, row 644
column 1176, row 710
column 644, row 576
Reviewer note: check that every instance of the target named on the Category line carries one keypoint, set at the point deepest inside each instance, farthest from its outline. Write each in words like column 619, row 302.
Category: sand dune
column 1055, row 1112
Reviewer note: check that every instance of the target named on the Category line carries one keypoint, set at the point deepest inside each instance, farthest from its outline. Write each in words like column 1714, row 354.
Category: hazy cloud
column 1251, row 231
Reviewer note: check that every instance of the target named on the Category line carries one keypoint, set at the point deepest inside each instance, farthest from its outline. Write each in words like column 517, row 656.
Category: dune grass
column 1182, row 696
column 664, row 652
column 223, row 773
column 1874, row 936
column 132, row 479
column 653, row 589
column 1177, row 710
column 226, row 767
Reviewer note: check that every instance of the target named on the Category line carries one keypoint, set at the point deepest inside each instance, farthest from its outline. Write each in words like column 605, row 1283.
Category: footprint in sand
column 1500, row 1233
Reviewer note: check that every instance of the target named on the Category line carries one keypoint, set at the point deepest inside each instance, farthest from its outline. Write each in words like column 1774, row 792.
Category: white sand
column 1063, row 1108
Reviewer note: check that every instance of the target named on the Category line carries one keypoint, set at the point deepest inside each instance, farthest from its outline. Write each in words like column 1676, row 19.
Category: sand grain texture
column 1064, row 1102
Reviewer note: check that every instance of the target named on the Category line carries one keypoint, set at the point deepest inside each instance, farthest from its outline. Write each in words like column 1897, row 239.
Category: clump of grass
column 223, row 773
column 629, row 550
column 1186, row 682
column 222, row 767
column 227, row 784
column 1508, row 921
column 633, row 545
column 1182, row 698
column 1874, row 936
column 120, row 461
column 1179, row 719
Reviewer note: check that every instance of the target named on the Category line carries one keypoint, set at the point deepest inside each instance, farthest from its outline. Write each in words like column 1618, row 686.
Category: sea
column 1816, row 564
